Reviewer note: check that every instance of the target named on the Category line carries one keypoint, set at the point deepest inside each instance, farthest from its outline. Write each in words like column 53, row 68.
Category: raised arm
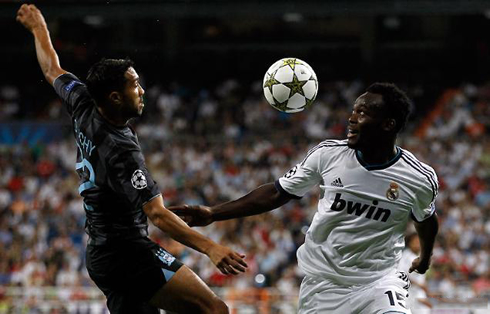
column 32, row 19
column 427, row 231
column 227, row 261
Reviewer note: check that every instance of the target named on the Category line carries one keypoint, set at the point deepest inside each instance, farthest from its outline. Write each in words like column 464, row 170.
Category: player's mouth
column 351, row 132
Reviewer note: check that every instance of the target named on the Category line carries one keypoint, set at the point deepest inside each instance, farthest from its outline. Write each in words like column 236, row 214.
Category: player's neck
column 378, row 155
column 113, row 119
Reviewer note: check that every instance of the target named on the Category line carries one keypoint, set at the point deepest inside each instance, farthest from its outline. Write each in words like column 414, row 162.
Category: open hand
column 193, row 215
column 30, row 16
column 226, row 260
column 419, row 266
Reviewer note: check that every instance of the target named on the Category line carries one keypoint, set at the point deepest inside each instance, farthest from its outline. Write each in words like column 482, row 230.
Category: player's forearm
column 427, row 231
column 178, row 230
column 262, row 199
column 46, row 55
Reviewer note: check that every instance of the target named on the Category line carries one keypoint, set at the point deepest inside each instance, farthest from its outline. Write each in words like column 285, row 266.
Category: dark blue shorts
column 130, row 273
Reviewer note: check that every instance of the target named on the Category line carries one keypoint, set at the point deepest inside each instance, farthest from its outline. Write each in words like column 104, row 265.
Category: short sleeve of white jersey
column 425, row 204
column 303, row 176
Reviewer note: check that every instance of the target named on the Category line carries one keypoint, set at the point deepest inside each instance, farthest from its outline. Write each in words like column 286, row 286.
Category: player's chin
column 352, row 143
column 139, row 111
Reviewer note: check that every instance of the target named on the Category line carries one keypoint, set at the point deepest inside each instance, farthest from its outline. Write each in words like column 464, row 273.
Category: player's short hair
column 396, row 103
column 105, row 77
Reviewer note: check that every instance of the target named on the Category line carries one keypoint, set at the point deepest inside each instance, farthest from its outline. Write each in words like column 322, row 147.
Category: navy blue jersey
column 114, row 180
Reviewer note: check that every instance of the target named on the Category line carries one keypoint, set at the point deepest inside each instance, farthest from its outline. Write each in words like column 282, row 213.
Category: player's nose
column 352, row 118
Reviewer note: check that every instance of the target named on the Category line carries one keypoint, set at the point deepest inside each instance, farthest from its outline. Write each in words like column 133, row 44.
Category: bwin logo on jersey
column 354, row 208
column 138, row 180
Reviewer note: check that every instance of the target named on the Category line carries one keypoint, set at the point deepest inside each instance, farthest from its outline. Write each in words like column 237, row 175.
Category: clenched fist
column 30, row 16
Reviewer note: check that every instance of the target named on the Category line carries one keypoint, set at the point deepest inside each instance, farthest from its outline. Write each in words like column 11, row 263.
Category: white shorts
column 386, row 295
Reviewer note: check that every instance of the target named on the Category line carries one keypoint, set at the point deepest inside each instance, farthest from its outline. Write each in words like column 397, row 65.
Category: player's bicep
column 54, row 73
column 154, row 207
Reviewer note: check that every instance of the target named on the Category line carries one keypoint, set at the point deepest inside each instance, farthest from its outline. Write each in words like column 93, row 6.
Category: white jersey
column 357, row 234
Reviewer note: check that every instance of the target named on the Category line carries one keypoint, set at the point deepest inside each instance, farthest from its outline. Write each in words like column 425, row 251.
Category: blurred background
column 209, row 136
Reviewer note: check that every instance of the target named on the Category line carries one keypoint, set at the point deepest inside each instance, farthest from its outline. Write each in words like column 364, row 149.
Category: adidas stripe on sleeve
column 424, row 206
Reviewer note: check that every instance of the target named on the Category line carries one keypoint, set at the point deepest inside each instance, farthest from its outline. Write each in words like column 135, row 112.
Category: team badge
column 392, row 193
column 138, row 180
column 165, row 257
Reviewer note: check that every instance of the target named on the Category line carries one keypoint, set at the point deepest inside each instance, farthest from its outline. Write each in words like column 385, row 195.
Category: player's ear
column 389, row 124
column 115, row 98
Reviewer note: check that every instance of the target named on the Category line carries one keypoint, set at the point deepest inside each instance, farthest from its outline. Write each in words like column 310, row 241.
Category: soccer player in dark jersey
column 136, row 275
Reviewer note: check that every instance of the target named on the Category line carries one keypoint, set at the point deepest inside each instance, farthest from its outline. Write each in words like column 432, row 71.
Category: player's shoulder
column 327, row 148
column 419, row 169
column 68, row 86
column 335, row 145
column 415, row 164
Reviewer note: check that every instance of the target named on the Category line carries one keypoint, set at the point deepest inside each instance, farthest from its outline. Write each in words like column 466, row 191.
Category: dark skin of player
column 185, row 292
column 369, row 131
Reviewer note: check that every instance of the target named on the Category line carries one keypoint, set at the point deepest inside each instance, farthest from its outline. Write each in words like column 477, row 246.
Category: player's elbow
column 159, row 217
column 52, row 73
column 155, row 215
column 153, row 212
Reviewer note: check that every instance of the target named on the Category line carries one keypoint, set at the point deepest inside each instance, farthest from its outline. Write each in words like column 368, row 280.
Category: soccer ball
column 290, row 85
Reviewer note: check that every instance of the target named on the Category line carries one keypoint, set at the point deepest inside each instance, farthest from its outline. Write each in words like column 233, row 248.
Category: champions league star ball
column 290, row 85
column 138, row 180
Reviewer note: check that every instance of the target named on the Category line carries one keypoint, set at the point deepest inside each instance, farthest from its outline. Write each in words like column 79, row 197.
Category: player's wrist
column 425, row 260
column 212, row 217
column 215, row 214
column 207, row 247
column 39, row 29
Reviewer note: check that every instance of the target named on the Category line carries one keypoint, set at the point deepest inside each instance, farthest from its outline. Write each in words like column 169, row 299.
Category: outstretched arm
column 427, row 231
column 262, row 199
column 227, row 261
column 32, row 19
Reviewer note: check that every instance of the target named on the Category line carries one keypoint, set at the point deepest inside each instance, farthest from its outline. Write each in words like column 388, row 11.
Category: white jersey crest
column 357, row 233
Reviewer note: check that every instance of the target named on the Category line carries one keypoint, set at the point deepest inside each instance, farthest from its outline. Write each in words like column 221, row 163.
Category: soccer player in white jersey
column 371, row 188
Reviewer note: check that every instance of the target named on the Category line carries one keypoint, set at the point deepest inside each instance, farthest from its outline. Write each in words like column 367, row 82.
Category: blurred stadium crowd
column 209, row 146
